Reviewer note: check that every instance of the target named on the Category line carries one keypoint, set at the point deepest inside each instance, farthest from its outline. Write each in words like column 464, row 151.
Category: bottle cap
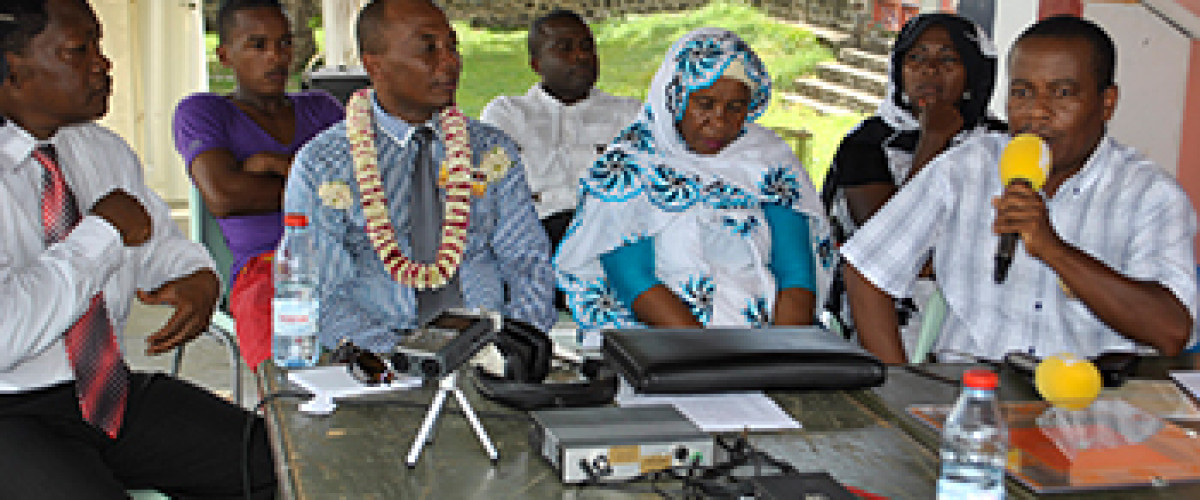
column 295, row 220
column 980, row 379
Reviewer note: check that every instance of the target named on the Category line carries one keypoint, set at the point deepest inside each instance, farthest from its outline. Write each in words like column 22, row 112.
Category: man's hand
column 1020, row 210
column 127, row 215
column 194, row 297
column 268, row 163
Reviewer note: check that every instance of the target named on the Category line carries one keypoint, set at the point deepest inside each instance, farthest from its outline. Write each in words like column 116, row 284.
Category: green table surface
column 864, row 439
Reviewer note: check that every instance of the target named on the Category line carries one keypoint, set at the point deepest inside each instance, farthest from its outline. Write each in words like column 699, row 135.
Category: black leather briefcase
column 720, row 360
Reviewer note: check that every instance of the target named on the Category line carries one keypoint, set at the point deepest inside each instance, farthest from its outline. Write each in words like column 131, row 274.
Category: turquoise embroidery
column 595, row 305
column 698, row 294
column 780, row 185
column 720, row 195
column 638, row 137
column 671, row 191
column 741, row 227
column 756, row 312
column 614, row 177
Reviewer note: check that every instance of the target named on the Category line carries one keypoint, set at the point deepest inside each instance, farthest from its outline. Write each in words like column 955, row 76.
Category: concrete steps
column 870, row 61
column 877, row 44
column 855, row 83
column 838, row 95
column 816, row 105
column 831, row 37
column 853, row 77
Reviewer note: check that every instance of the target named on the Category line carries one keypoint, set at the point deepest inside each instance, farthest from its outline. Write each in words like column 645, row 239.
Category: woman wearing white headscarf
column 694, row 215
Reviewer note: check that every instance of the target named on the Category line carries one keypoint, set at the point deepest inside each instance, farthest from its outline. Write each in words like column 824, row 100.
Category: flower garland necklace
column 457, row 206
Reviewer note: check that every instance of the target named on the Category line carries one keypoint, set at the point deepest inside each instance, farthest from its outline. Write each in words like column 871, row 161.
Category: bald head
column 411, row 53
column 374, row 19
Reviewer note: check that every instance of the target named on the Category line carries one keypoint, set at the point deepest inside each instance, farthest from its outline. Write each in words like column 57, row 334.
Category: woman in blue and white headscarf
column 695, row 215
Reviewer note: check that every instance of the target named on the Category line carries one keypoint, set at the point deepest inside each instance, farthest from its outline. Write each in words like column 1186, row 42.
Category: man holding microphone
column 1104, row 260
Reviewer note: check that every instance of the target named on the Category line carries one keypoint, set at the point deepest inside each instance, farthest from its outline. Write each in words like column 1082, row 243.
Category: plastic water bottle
column 294, row 310
column 974, row 442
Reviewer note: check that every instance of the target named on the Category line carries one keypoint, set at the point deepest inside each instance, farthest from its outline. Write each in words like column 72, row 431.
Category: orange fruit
column 1067, row 381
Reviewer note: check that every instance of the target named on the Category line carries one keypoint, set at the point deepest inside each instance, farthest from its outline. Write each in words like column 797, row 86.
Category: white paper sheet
column 1189, row 380
column 328, row 383
column 723, row 412
column 1163, row 398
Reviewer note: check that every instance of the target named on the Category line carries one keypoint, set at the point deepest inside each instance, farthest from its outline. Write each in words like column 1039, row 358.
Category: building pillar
column 157, row 53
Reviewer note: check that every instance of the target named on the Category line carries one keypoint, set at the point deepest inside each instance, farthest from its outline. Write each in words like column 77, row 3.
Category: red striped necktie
column 101, row 376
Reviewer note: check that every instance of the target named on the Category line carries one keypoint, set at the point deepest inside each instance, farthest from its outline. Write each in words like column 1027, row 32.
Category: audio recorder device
column 613, row 444
column 443, row 344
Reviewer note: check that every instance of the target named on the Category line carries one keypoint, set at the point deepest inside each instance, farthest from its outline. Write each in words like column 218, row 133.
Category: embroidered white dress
column 703, row 212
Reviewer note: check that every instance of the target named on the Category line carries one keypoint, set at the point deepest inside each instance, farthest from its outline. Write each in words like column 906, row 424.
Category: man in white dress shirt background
column 1105, row 261
column 563, row 123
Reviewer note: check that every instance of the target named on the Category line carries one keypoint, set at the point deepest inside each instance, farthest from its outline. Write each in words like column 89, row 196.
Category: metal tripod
column 448, row 385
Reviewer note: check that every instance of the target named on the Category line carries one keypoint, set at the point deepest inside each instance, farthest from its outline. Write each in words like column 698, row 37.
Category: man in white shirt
column 1105, row 260
column 81, row 236
column 562, row 124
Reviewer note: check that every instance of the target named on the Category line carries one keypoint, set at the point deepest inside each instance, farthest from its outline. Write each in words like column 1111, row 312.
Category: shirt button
column 1037, row 306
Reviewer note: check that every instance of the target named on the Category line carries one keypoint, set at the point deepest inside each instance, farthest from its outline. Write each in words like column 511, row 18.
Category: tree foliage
column 301, row 13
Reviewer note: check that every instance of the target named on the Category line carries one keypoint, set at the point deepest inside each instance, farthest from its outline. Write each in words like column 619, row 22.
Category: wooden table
column 862, row 438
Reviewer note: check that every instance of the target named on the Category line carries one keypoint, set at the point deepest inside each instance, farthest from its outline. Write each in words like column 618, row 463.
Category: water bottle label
column 294, row 316
column 966, row 490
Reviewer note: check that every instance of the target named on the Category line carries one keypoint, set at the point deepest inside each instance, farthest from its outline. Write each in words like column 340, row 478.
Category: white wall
column 157, row 50
column 120, row 44
column 1152, row 69
column 1152, row 65
column 1012, row 17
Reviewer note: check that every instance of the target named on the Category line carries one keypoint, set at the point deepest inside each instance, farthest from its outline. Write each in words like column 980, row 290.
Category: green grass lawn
column 495, row 62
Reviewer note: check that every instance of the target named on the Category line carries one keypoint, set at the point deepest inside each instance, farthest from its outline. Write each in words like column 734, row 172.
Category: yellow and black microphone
column 1025, row 159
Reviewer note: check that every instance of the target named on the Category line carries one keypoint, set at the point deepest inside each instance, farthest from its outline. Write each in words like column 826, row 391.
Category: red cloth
column 250, row 306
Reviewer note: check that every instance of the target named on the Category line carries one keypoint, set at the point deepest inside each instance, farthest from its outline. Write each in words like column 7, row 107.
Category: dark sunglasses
column 363, row 365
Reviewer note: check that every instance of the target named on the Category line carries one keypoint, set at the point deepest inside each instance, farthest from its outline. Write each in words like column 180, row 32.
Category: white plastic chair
column 931, row 326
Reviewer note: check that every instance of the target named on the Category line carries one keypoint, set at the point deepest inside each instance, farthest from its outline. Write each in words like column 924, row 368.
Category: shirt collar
column 399, row 130
column 1096, row 166
column 16, row 145
column 539, row 93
